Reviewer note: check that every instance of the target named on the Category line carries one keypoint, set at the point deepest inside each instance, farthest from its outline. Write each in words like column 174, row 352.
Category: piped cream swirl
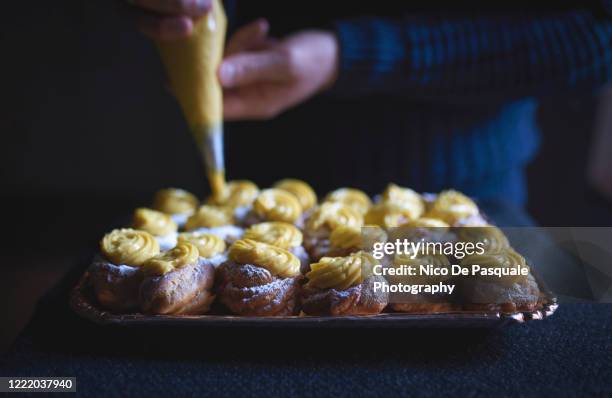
column 278, row 261
column 237, row 193
column 355, row 198
column 276, row 233
column 277, row 205
column 175, row 201
column 128, row 246
column 153, row 221
column 301, row 190
column 452, row 206
column 208, row 245
column 208, row 216
column 331, row 215
column 340, row 273
column 184, row 253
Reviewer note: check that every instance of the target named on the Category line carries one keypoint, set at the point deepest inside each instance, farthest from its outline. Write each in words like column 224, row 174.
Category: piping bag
column 192, row 65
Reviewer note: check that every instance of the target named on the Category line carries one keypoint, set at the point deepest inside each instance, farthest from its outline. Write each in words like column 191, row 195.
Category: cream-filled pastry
column 211, row 247
column 178, row 203
column 158, row 224
column 216, row 220
column 355, row 198
column 502, row 282
column 259, row 280
column 490, row 238
column 322, row 221
column 280, row 234
column 410, row 201
column 303, row 192
column 239, row 195
column 178, row 282
column 426, row 229
column 343, row 286
column 210, row 216
column 454, row 208
column 423, row 302
column 388, row 215
column 275, row 205
column 116, row 273
column 345, row 240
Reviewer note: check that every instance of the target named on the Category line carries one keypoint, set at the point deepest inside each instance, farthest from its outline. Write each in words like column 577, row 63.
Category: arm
column 466, row 57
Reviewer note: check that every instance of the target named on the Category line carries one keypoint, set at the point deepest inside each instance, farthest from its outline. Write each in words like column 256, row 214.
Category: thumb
column 250, row 67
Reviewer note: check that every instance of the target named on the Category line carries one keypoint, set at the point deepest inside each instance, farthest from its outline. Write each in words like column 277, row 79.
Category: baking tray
column 83, row 303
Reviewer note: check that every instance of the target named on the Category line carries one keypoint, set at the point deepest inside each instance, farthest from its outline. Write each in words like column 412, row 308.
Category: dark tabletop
column 567, row 354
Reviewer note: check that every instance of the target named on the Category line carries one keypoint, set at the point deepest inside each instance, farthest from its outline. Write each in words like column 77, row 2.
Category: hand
column 168, row 19
column 263, row 77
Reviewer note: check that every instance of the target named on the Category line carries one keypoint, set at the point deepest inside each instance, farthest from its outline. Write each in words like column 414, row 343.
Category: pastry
column 345, row 240
column 239, row 195
column 343, row 286
column 177, row 282
column 424, row 303
column 509, row 293
column 216, row 220
column 259, row 280
column 406, row 198
column 275, row 205
column 116, row 274
column 355, row 198
column 388, row 215
column 277, row 251
column 158, row 224
column 210, row 247
column 323, row 220
column 394, row 207
column 455, row 209
column 178, row 203
column 280, row 234
column 303, row 192
column 490, row 237
column 426, row 229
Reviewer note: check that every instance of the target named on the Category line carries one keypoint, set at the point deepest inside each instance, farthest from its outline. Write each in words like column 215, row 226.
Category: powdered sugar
column 167, row 242
column 226, row 232
column 215, row 261
column 180, row 219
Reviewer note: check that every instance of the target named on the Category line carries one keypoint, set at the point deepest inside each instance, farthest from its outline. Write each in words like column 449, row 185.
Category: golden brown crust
column 250, row 290
column 357, row 300
column 183, row 291
column 116, row 287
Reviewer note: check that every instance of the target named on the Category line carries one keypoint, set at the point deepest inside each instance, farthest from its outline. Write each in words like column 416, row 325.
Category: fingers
column 164, row 28
column 188, row 8
column 248, row 37
column 255, row 102
column 251, row 67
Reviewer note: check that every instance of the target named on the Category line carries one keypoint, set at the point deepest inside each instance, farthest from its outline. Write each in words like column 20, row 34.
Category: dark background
column 89, row 132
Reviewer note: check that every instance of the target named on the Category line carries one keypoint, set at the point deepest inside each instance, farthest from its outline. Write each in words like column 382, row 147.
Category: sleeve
column 480, row 57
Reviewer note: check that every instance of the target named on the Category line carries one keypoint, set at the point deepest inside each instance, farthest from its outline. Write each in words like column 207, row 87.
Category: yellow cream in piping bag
column 192, row 65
